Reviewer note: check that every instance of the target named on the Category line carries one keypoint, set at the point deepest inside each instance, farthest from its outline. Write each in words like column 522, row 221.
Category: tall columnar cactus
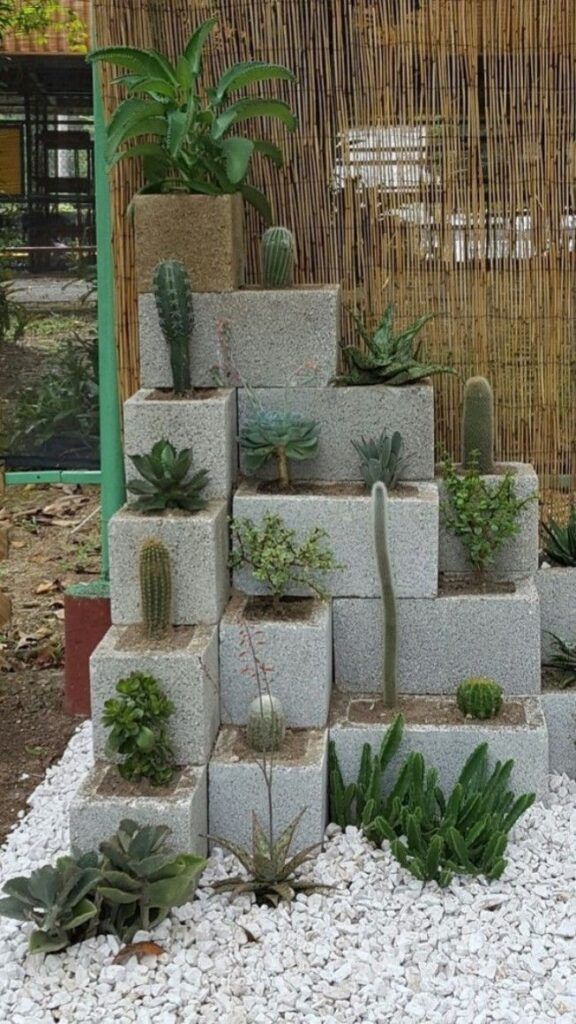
column 478, row 424
column 266, row 726
column 173, row 294
column 278, row 256
column 381, row 548
column 155, row 587
column 479, row 697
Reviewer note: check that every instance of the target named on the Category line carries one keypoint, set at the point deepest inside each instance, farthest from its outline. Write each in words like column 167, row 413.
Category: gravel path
column 378, row 949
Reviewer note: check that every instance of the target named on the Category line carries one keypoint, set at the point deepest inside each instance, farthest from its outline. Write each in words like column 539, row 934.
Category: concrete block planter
column 187, row 672
column 358, row 720
column 206, row 424
column 104, row 799
column 518, row 558
column 557, row 590
column 344, row 512
column 236, row 787
column 344, row 414
column 560, row 713
column 198, row 545
column 443, row 641
column 299, row 651
column 273, row 335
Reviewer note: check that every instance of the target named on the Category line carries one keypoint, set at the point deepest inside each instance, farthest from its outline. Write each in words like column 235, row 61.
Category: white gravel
column 379, row 948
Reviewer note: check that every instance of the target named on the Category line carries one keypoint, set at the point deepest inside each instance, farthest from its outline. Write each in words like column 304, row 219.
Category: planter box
column 236, row 786
column 518, row 558
column 557, row 590
column 560, row 712
column 206, row 424
column 187, row 674
column 198, row 545
column 442, row 641
column 96, row 811
column 299, row 652
column 206, row 233
column 345, row 513
column 359, row 720
column 275, row 336
column 344, row 415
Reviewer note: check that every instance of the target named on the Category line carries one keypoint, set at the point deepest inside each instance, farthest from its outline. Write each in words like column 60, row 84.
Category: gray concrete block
column 344, row 415
column 187, row 675
column 300, row 780
column 442, row 641
column 557, row 591
column 345, row 514
column 518, row 558
column 272, row 335
column 299, row 653
column 445, row 747
column 96, row 811
column 207, row 425
column 560, row 712
column 198, row 545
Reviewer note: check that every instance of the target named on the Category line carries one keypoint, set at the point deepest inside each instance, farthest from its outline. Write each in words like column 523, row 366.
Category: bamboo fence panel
column 56, row 42
column 434, row 166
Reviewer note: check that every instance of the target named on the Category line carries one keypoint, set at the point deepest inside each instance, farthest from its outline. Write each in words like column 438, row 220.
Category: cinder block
column 557, row 590
column 298, row 651
column 276, row 338
column 345, row 514
column 96, row 810
column 198, row 545
column 442, row 641
column 187, row 675
column 518, row 558
column 206, row 424
column 355, row 721
column 344, row 415
column 560, row 713
column 236, row 787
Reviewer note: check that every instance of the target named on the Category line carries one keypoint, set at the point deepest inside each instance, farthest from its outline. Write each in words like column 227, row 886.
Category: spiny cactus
column 155, row 587
column 478, row 425
column 173, row 293
column 266, row 726
column 278, row 255
column 380, row 531
column 479, row 698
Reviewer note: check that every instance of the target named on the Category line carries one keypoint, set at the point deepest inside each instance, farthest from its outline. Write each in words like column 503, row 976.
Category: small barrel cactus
column 173, row 294
column 479, row 698
column 478, row 425
column 278, row 256
column 266, row 726
column 155, row 587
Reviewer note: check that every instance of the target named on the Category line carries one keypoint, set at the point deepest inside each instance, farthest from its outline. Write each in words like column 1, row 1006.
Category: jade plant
column 173, row 295
column 167, row 480
column 283, row 436
column 479, row 697
column 266, row 725
column 278, row 253
column 187, row 136
column 560, row 541
column 137, row 719
column 478, row 425
column 380, row 458
column 388, row 598
column 155, row 588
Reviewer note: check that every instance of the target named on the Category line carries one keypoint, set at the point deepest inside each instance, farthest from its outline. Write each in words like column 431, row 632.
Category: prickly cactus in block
column 478, row 425
column 173, row 294
column 155, row 587
column 266, row 726
column 278, row 255
column 479, row 698
column 381, row 549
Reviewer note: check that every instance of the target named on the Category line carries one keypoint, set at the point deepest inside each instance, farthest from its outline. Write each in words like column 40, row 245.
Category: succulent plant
column 478, row 425
column 560, row 542
column 479, row 697
column 564, row 659
column 155, row 587
column 137, row 720
column 278, row 255
column 166, row 480
column 381, row 458
column 173, row 294
column 388, row 599
column 266, row 725
column 284, row 436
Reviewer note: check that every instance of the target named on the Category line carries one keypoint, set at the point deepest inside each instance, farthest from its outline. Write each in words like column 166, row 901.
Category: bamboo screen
column 434, row 166
column 57, row 40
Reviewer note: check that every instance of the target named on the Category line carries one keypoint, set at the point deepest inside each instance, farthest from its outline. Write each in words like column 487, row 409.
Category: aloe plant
column 381, row 458
column 560, row 541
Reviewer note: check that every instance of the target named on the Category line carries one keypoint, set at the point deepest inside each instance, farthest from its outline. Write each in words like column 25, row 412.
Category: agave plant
column 284, row 436
column 387, row 358
column 166, row 480
column 564, row 658
column 381, row 458
column 560, row 544
column 183, row 133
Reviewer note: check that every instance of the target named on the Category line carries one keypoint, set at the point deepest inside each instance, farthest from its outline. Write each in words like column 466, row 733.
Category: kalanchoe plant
column 137, row 720
column 167, row 482
column 563, row 658
column 380, row 458
column 560, row 541
column 284, row 436
column 186, row 136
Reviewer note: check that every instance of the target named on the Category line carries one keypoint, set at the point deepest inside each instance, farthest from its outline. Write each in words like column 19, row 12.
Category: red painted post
column 86, row 620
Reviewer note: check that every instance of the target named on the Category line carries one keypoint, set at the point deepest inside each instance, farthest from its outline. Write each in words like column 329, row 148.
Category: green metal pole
column 111, row 460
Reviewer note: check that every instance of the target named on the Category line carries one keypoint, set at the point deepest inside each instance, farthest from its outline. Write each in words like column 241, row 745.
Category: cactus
column 478, row 425
column 278, row 254
column 479, row 698
column 266, row 726
column 173, row 294
column 155, row 587
column 380, row 531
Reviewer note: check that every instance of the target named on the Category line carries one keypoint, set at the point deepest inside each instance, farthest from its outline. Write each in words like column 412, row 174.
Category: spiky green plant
column 388, row 596
column 173, row 295
column 560, row 541
column 478, row 425
column 380, row 458
column 479, row 697
column 563, row 658
column 284, row 436
column 155, row 587
column 137, row 719
column 278, row 256
column 167, row 482
column 266, row 726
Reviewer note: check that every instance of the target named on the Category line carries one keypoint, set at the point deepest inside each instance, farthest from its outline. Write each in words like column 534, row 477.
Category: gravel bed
column 379, row 948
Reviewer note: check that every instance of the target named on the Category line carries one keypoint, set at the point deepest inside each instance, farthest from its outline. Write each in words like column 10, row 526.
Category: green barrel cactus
column 478, row 425
column 266, row 726
column 278, row 257
column 479, row 698
column 173, row 294
column 381, row 548
column 155, row 587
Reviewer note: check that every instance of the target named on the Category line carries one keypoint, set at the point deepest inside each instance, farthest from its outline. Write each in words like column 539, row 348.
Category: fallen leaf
column 138, row 949
column 48, row 586
column 249, row 935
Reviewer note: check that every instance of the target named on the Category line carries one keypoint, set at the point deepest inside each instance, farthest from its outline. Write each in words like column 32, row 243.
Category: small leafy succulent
column 381, row 458
column 166, row 480
column 137, row 721
column 560, row 544
column 283, row 436
column 564, row 658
